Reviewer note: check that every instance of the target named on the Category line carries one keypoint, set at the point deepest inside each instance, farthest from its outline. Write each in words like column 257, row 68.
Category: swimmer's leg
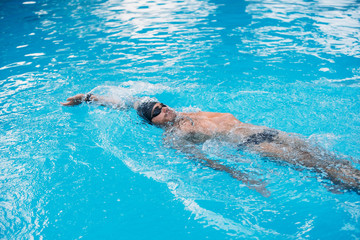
column 338, row 171
column 344, row 175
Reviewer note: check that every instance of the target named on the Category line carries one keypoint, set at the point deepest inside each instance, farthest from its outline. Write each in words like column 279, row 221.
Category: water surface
column 91, row 172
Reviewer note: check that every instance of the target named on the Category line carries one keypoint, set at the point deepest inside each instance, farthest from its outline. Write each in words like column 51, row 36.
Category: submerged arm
column 195, row 154
column 243, row 177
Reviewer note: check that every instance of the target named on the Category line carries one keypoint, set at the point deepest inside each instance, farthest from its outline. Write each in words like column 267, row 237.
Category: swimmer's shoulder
column 201, row 115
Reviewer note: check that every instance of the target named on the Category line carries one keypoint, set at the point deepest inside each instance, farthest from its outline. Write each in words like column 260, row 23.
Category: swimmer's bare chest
column 201, row 126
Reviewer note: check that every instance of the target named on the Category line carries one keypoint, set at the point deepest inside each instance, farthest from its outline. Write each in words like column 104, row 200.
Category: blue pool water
column 89, row 172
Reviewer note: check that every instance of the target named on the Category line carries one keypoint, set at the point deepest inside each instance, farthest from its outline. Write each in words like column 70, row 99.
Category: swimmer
column 198, row 127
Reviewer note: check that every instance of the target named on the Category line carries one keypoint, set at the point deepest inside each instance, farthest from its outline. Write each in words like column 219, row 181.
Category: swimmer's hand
column 261, row 188
column 75, row 100
column 257, row 185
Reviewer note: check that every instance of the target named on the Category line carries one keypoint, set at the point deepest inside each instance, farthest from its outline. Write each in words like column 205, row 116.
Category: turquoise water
column 96, row 173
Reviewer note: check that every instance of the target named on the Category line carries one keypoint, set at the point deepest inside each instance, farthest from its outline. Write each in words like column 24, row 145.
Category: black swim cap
column 144, row 110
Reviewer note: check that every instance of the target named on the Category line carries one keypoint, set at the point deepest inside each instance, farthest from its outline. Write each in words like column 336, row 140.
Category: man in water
column 201, row 126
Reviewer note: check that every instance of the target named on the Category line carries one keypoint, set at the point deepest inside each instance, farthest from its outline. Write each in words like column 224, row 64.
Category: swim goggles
column 157, row 110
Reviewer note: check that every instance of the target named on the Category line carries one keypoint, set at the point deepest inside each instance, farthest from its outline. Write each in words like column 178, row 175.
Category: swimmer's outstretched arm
column 100, row 100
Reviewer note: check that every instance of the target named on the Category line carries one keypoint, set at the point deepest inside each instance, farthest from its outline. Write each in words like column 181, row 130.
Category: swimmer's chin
column 170, row 116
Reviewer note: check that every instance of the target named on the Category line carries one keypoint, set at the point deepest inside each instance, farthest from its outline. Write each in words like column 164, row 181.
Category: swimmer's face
column 162, row 114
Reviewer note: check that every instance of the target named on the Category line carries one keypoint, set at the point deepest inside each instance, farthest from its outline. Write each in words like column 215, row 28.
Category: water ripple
column 336, row 27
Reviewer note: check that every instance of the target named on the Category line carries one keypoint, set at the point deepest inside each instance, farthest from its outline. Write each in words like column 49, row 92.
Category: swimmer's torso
column 201, row 126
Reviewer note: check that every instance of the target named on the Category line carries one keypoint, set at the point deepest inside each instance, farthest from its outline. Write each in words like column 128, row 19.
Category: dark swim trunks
column 268, row 135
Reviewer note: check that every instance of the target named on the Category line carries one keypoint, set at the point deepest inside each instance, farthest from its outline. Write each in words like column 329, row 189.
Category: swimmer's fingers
column 74, row 100
column 259, row 186
column 66, row 104
column 262, row 190
column 70, row 103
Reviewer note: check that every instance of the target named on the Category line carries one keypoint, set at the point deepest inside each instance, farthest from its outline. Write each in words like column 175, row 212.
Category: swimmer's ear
column 136, row 105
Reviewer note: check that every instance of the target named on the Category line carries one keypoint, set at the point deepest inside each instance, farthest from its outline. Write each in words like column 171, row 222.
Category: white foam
column 34, row 54
column 16, row 64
